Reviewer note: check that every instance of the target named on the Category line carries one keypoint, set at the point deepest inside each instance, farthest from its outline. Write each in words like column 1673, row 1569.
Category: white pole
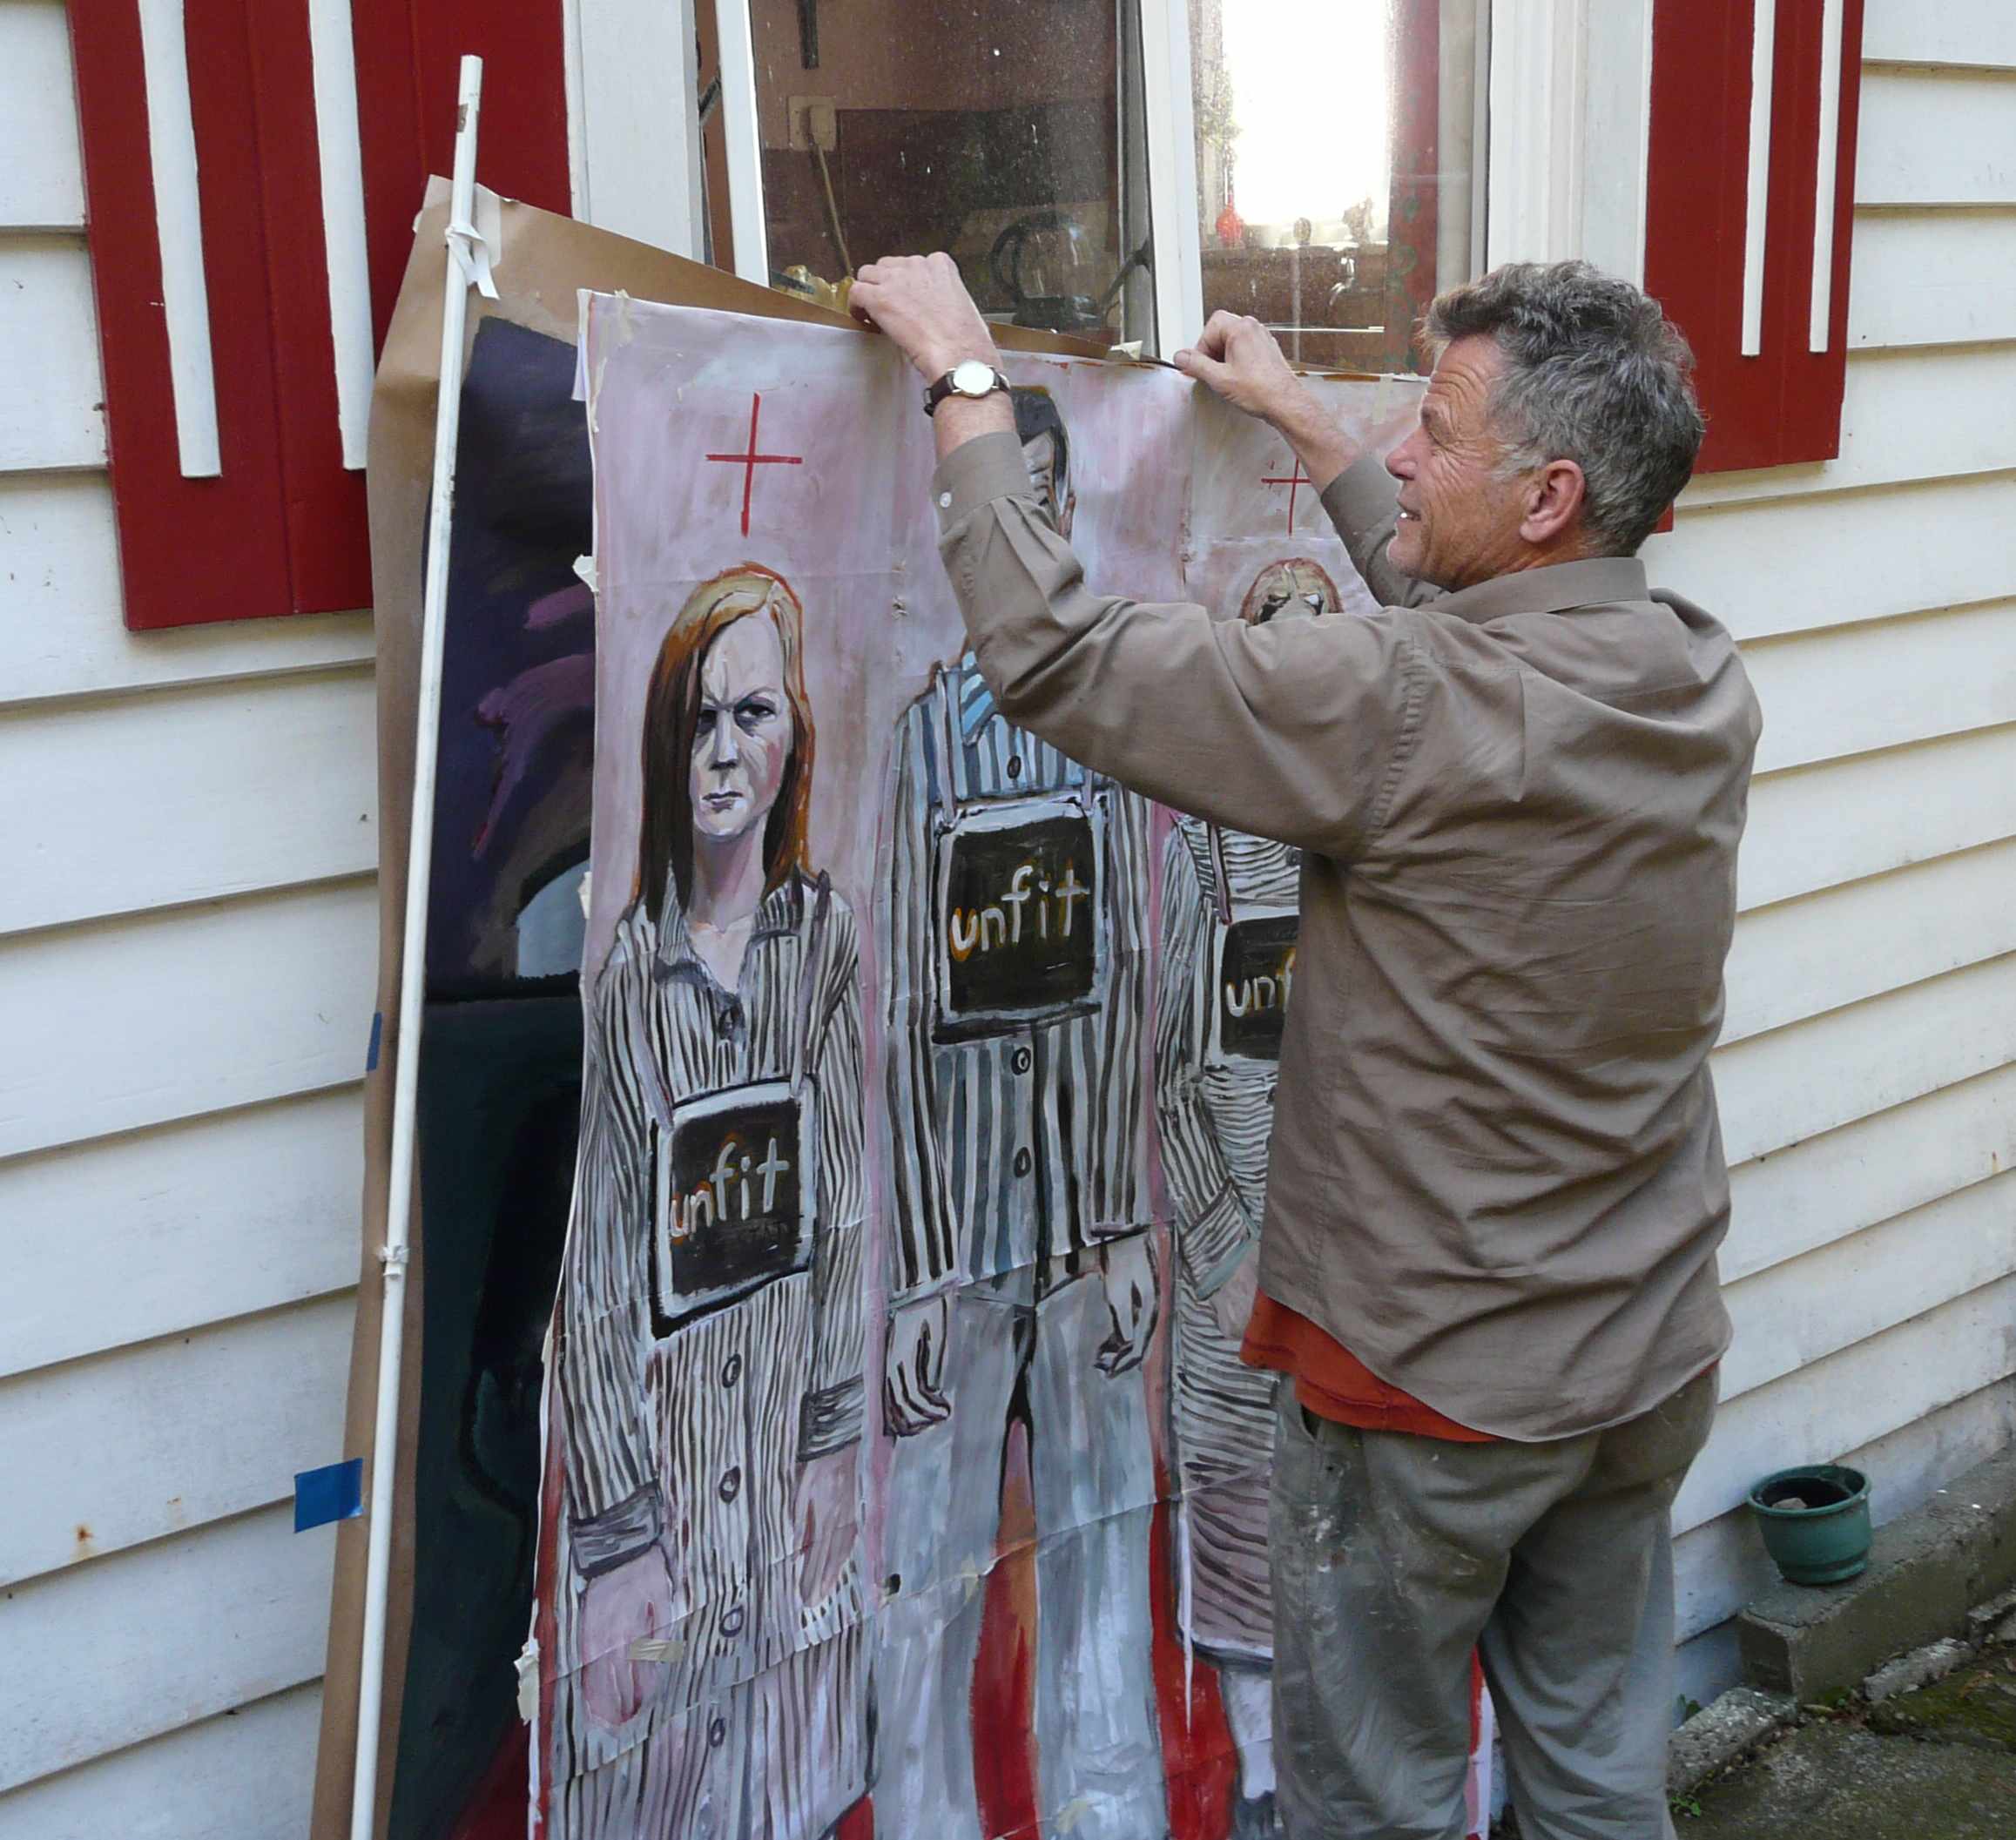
column 413, row 955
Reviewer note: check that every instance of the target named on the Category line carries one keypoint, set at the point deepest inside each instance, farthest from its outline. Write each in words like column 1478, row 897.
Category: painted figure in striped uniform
column 710, row 1337
column 1021, row 1279
column 1228, row 964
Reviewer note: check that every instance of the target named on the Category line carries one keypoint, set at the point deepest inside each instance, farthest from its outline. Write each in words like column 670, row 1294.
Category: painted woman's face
column 746, row 733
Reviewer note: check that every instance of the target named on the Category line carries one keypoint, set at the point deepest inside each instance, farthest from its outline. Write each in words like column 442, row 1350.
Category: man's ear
column 1554, row 496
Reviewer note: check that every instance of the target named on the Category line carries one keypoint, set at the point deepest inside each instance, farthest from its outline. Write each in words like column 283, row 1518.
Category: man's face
column 1046, row 480
column 1459, row 520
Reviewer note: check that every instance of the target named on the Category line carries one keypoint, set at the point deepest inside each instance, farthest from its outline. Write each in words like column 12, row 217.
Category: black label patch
column 735, row 1195
column 1256, row 970
column 1018, row 918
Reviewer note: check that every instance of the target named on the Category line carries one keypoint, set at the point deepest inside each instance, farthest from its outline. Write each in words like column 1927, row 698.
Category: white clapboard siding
column 1950, row 31
column 123, row 1649
column 1721, row 1566
column 1800, row 564
column 1927, row 411
column 1866, row 1391
column 1842, row 1181
column 136, row 1022
column 1972, row 161
column 1817, row 826
column 50, row 390
column 42, row 172
column 1779, row 1089
column 247, row 1775
column 1926, row 276
column 171, row 797
column 61, row 634
column 154, row 1233
column 1800, row 958
column 1882, row 686
column 142, row 1442
column 1808, row 1307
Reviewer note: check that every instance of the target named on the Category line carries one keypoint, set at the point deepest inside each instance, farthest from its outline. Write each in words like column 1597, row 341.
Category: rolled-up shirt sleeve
column 1298, row 729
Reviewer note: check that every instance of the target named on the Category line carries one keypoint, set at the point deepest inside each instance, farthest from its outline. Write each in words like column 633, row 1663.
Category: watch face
column 970, row 377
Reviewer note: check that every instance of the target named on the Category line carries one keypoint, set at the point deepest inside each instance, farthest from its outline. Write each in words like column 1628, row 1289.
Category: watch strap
column 936, row 393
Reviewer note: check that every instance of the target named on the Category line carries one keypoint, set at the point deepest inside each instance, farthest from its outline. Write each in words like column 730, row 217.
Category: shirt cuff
column 976, row 473
column 1362, row 499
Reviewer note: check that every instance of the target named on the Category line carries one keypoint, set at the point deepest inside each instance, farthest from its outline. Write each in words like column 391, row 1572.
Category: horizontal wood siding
column 1868, row 1070
column 188, row 954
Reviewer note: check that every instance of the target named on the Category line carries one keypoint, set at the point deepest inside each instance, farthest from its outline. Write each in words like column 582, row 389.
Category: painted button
column 945, row 501
column 1023, row 1162
column 1021, row 1060
column 1015, row 766
column 731, row 1620
column 731, row 1369
column 717, row 1732
column 731, row 1484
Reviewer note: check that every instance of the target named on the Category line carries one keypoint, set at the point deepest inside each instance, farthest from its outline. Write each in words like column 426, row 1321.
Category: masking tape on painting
column 528, row 1667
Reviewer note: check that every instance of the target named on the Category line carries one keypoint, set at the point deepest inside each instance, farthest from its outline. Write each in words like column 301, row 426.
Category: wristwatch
column 970, row 377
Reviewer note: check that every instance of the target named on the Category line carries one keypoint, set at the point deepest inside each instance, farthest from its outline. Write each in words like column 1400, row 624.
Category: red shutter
column 1782, row 401
column 280, row 527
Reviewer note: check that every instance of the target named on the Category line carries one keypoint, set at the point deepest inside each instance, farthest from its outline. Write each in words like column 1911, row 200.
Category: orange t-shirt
column 1330, row 1381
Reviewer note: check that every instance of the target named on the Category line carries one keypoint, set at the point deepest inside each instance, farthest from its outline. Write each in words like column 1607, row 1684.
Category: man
column 1496, row 1182
column 1022, row 1285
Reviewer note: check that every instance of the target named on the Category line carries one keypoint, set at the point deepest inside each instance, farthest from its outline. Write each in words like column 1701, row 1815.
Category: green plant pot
column 1815, row 1520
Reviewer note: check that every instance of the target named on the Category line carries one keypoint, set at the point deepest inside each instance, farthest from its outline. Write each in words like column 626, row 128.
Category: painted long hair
column 673, row 719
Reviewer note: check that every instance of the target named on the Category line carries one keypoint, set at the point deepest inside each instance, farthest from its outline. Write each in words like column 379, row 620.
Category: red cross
column 752, row 459
column 1294, row 481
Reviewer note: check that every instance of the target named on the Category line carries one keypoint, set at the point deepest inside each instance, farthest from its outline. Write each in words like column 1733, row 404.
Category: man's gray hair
column 1594, row 372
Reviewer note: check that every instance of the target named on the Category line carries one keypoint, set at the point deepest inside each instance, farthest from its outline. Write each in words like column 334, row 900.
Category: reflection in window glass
column 1334, row 158
column 989, row 128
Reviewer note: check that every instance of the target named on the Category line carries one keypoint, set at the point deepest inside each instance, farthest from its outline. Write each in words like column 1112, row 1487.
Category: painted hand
column 1131, row 1302
column 825, row 1509
column 617, row 1607
column 919, row 301
column 913, row 1367
column 1237, row 358
column 1232, row 1302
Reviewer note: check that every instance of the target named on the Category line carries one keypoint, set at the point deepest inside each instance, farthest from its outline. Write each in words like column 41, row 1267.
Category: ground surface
column 1936, row 1764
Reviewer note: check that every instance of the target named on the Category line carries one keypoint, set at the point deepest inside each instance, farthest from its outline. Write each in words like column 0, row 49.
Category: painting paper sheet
column 901, row 1477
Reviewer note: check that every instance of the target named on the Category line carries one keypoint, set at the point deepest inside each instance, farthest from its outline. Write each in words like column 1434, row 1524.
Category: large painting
column 901, row 1476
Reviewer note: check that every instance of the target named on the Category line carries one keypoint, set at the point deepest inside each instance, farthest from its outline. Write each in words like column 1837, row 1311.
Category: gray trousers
column 1394, row 1556
column 1098, row 1755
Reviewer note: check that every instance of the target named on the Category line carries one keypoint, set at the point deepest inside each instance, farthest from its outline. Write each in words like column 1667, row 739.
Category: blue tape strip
column 336, row 1493
column 377, row 1036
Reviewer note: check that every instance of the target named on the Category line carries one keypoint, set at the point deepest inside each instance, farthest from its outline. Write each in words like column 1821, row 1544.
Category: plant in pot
column 1815, row 1520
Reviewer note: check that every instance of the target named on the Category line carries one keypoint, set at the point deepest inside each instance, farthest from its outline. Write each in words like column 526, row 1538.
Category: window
column 1338, row 166
column 1001, row 131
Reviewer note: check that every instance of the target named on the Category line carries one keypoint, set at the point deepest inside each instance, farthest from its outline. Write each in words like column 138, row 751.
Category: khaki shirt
column 1496, row 1175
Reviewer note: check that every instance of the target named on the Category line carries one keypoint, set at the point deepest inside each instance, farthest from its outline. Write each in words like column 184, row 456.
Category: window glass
column 1336, row 183
column 989, row 128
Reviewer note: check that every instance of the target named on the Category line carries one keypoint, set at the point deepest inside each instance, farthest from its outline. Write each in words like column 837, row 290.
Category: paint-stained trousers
column 1098, row 1757
column 1393, row 1556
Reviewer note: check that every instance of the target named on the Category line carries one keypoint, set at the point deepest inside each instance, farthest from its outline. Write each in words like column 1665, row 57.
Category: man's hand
column 825, row 1505
column 1232, row 1302
column 919, row 301
column 1131, row 1302
column 913, row 1367
column 1237, row 358
column 617, row 1607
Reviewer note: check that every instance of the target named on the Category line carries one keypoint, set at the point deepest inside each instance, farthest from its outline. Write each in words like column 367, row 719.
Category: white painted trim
column 633, row 121
column 178, row 219
column 1616, row 109
column 341, row 158
column 745, row 142
column 1756, row 212
column 1822, row 312
column 1169, row 103
column 572, row 57
column 1538, row 84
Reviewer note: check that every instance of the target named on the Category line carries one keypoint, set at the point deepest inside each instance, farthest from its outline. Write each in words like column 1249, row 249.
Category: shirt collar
column 777, row 915
column 1595, row 581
